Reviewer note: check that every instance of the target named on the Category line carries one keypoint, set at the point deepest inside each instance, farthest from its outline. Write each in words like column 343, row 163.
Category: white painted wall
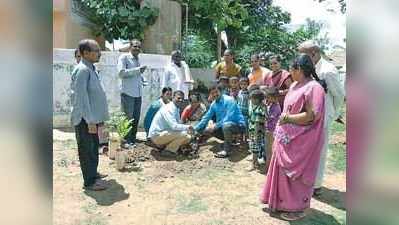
column 63, row 63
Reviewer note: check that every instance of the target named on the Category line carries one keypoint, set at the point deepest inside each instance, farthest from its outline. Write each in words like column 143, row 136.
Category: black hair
column 244, row 79
column 277, row 57
column 253, row 87
column 304, row 62
column 85, row 45
column 195, row 95
column 178, row 92
column 219, row 87
column 234, row 78
column 165, row 89
column 223, row 78
column 256, row 56
column 76, row 51
column 229, row 51
column 257, row 94
column 270, row 91
column 175, row 52
column 135, row 40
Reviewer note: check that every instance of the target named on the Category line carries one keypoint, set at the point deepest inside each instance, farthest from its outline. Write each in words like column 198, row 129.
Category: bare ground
column 165, row 191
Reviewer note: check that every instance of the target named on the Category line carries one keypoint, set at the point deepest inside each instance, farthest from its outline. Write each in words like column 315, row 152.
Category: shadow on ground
column 314, row 216
column 115, row 193
column 334, row 198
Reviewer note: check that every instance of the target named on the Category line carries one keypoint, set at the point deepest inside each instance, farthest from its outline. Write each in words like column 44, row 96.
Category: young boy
column 234, row 87
column 274, row 112
column 256, row 130
column 243, row 101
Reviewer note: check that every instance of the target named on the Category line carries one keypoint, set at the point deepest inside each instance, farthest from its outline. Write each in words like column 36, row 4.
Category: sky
column 334, row 21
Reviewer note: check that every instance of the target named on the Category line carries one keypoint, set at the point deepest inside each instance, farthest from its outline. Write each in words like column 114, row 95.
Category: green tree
column 342, row 4
column 197, row 50
column 252, row 26
column 118, row 19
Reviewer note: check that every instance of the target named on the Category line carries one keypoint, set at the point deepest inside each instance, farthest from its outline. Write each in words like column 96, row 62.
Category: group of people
column 284, row 116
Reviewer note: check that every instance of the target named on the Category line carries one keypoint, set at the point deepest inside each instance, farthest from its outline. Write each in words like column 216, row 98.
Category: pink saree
column 296, row 152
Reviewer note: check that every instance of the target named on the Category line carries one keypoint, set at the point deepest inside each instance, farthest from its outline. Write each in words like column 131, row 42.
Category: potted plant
column 121, row 125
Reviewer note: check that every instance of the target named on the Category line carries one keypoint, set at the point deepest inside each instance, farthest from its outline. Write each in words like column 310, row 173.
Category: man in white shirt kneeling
column 167, row 130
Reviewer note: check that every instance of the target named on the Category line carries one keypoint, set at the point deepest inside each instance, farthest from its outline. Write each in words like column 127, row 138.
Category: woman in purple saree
column 299, row 138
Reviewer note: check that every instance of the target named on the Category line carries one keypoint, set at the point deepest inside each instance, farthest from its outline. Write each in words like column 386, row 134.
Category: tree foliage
column 198, row 50
column 342, row 4
column 252, row 26
column 118, row 19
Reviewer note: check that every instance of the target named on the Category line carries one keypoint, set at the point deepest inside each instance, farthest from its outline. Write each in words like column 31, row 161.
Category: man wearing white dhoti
column 334, row 99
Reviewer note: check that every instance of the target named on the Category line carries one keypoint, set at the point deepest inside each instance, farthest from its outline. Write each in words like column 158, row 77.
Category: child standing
column 256, row 128
column 243, row 97
column 274, row 112
column 234, row 87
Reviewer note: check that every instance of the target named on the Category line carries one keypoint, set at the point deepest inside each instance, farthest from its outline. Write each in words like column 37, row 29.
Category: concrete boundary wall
column 64, row 62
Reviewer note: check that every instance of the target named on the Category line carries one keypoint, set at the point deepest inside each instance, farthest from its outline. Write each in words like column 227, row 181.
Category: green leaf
column 123, row 11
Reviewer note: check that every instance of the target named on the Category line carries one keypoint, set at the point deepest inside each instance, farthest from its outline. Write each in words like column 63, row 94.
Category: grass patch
column 337, row 128
column 216, row 222
column 337, row 157
column 95, row 220
column 337, row 151
column 190, row 205
column 210, row 174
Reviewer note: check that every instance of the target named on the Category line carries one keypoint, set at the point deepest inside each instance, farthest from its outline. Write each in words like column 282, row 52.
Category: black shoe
column 101, row 176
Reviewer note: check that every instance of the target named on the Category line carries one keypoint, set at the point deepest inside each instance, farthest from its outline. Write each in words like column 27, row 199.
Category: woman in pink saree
column 297, row 144
column 279, row 78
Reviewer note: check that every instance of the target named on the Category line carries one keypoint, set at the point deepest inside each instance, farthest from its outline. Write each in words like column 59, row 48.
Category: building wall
column 161, row 37
column 68, row 29
column 59, row 30
column 63, row 63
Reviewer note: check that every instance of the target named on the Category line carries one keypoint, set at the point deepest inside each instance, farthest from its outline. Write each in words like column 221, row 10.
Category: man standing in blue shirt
column 130, row 72
column 89, row 112
column 229, row 119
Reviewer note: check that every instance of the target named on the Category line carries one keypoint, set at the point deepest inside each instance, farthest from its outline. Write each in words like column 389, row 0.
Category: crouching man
column 167, row 131
column 229, row 119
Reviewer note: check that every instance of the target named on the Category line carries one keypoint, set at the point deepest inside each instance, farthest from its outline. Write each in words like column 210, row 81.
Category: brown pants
column 172, row 140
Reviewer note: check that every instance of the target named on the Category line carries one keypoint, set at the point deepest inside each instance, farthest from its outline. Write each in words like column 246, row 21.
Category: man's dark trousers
column 226, row 133
column 131, row 106
column 88, row 145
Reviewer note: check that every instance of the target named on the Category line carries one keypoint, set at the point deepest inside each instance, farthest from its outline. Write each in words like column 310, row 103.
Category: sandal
column 292, row 216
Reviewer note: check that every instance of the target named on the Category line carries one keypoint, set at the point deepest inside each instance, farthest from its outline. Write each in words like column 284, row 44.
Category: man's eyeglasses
column 136, row 46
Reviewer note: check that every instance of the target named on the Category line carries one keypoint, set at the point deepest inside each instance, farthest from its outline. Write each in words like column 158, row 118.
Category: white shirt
column 175, row 77
column 166, row 119
column 129, row 72
column 335, row 95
